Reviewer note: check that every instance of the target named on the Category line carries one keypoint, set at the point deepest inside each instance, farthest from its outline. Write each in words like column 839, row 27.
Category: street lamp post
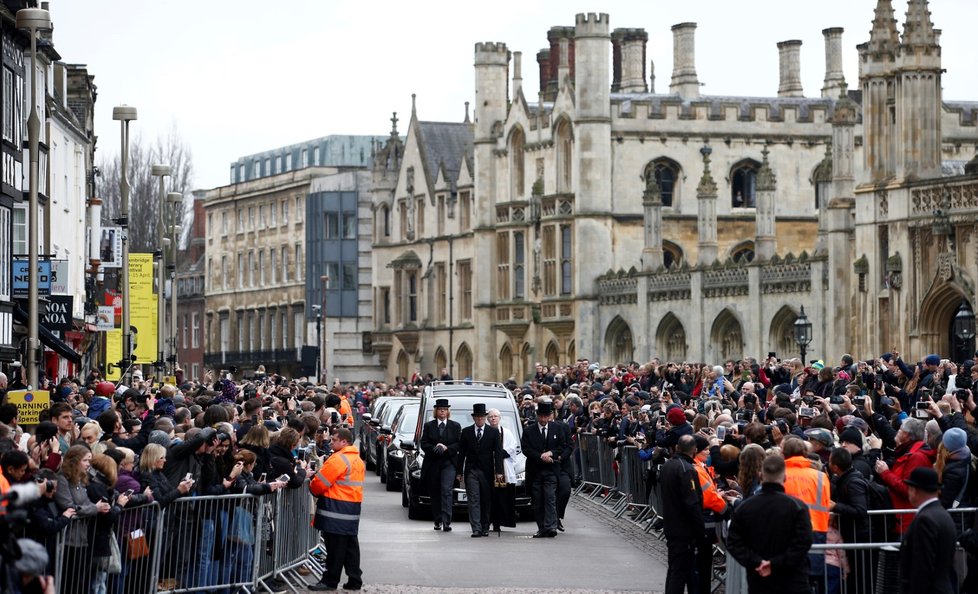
column 803, row 332
column 175, row 199
column 318, row 310
column 160, row 171
column 34, row 20
column 324, row 284
column 964, row 326
column 125, row 114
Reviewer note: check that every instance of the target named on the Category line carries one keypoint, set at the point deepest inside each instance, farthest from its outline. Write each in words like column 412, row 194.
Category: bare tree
column 144, row 195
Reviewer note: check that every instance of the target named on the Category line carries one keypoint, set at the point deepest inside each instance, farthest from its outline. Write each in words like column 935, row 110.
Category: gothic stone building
column 611, row 222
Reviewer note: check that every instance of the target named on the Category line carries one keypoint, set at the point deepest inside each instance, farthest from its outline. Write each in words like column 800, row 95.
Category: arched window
column 743, row 252
column 564, row 141
column 506, row 362
column 525, row 372
column 572, row 352
column 672, row 254
column 402, row 364
column 618, row 341
column 517, row 164
column 782, row 335
column 822, row 180
column 727, row 337
column 441, row 361
column 671, row 339
column 463, row 362
column 743, row 183
column 552, row 354
column 666, row 174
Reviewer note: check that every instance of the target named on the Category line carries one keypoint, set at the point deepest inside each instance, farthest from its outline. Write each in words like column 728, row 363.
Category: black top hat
column 925, row 479
column 545, row 408
column 442, row 403
column 479, row 410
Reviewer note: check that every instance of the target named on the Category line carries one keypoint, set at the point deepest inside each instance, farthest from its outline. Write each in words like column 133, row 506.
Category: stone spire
column 706, row 219
column 883, row 38
column 765, row 245
column 652, row 203
column 918, row 30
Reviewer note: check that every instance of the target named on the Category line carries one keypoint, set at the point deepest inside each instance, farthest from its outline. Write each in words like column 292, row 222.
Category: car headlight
column 416, row 474
column 396, row 453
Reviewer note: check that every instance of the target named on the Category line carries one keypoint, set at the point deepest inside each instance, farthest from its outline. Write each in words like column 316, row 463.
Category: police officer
column 338, row 487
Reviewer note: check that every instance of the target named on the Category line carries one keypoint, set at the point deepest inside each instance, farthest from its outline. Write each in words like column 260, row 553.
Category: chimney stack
column 684, row 81
column 628, row 47
column 517, row 72
column 789, row 54
column 561, row 61
column 834, row 77
column 543, row 61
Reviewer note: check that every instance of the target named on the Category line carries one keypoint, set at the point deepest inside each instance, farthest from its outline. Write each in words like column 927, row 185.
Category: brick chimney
column 834, row 77
column 543, row 61
column 789, row 60
column 628, row 47
column 684, row 80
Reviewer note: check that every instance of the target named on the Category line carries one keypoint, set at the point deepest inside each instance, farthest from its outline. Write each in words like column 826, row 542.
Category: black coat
column 485, row 455
column 862, row 465
column 281, row 461
column 927, row 553
column 953, row 480
column 534, row 446
column 682, row 502
column 851, row 504
column 775, row 527
column 435, row 460
column 262, row 464
column 164, row 492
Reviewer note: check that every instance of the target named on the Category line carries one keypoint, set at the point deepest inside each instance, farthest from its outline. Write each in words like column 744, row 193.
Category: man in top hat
column 440, row 442
column 480, row 460
column 927, row 551
column 543, row 448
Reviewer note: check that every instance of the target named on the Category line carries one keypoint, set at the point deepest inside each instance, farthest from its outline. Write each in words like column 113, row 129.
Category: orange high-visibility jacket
column 812, row 487
column 711, row 497
column 346, row 411
column 338, row 487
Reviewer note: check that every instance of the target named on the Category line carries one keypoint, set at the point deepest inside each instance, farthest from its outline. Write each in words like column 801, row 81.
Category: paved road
column 409, row 557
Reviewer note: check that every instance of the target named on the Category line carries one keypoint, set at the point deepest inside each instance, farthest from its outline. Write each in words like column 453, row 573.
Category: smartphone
column 187, row 477
column 300, row 454
column 722, row 432
column 261, row 479
column 806, row 411
column 284, row 478
column 128, row 493
column 920, row 410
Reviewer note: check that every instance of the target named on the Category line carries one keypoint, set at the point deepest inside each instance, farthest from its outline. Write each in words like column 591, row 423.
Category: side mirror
column 366, row 417
column 407, row 445
column 385, row 431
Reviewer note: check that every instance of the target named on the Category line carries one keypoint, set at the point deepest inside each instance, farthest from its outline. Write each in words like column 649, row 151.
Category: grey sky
column 241, row 76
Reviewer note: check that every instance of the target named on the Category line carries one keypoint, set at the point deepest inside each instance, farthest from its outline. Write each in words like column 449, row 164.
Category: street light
column 34, row 20
column 324, row 284
column 160, row 171
column 318, row 310
column 125, row 114
column 803, row 332
column 964, row 323
column 175, row 199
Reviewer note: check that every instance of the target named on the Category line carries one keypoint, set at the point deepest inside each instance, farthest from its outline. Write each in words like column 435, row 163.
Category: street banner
column 59, row 277
column 113, row 352
column 29, row 404
column 143, row 307
column 57, row 313
column 105, row 319
column 110, row 247
column 22, row 278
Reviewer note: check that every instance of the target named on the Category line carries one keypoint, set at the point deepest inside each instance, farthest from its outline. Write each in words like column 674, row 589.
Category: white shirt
column 924, row 504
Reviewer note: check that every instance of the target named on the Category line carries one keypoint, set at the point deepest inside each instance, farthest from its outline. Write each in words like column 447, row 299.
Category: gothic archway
column 526, row 366
column 506, row 362
column 463, row 362
column 727, row 337
column 618, row 341
column 937, row 313
column 402, row 364
column 781, row 338
column 552, row 354
column 670, row 339
column 441, row 361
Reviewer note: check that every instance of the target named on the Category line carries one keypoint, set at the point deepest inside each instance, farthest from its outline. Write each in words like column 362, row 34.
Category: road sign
column 29, row 404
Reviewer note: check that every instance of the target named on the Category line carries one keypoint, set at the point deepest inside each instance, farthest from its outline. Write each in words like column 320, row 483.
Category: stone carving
column 725, row 281
column 961, row 196
column 786, row 276
column 502, row 214
column 670, row 285
column 618, row 288
column 518, row 214
column 894, row 271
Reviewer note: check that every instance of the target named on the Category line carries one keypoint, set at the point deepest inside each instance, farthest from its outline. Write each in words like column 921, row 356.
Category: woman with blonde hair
column 73, row 493
column 151, row 463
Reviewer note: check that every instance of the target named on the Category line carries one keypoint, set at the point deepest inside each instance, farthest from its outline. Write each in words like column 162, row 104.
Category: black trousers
column 342, row 553
column 441, row 487
column 564, row 481
column 478, row 490
column 543, row 490
column 681, row 573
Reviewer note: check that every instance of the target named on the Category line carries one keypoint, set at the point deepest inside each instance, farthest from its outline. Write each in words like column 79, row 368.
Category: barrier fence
column 194, row 544
column 619, row 481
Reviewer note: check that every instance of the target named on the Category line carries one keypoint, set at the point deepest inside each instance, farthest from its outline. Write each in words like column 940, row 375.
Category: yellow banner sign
column 29, row 404
column 143, row 307
column 113, row 353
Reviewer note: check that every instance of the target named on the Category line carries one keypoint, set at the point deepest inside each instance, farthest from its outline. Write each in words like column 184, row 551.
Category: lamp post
column 803, row 332
column 324, row 284
column 175, row 199
column 160, row 171
column 318, row 310
column 34, row 20
column 964, row 325
column 125, row 114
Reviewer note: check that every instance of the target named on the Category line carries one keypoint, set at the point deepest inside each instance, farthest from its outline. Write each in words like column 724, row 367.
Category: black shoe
column 476, row 534
column 447, row 528
column 437, row 525
column 540, row 534
column 550, row 534
column 319, row 586
column 349, row 586
column 560, row 525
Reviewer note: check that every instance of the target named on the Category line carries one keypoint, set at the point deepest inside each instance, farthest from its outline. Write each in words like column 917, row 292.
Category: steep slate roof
column 444, row 144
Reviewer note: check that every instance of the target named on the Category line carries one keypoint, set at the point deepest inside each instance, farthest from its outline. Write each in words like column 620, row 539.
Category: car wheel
column 414, row 510
column 382, row 472
column 392, row 485
column 368, row 462
column 404, row 497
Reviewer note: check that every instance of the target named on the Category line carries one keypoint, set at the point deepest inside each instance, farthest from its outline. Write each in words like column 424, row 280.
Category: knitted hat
column 932, row 360
column 159, row 437
column 818, row 365
column 701, row 443
column 955, row 438
column 851, row 435
column 676, row 416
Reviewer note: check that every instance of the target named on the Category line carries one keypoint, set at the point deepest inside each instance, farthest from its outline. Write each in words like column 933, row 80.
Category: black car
column 461, row 395
column 372, row 424
column 392, row 456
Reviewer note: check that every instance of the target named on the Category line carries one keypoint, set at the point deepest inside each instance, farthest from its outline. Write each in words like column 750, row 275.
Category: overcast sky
column 242, row 76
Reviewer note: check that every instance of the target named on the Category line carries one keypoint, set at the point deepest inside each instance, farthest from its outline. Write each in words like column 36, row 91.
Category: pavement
column 598, row 554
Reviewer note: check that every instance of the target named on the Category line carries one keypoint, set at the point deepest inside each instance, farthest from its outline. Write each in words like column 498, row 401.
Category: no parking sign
column 29, row 404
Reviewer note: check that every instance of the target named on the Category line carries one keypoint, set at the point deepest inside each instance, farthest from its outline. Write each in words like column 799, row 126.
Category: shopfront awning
column 48, row 338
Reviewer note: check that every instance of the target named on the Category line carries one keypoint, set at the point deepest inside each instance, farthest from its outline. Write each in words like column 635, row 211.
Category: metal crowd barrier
column 590, row 460
column 196, row 544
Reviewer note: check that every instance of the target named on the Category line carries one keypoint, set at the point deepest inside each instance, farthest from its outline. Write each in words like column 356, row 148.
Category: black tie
column 441, row 429
column 543, row 431
column 478, row 434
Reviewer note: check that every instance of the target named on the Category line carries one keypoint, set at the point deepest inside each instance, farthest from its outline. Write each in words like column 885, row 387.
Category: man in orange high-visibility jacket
column 338, row 487
column 814, row 488
column 714, row 508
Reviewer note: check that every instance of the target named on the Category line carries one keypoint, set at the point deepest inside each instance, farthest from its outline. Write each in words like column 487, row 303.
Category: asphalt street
column 409, row 557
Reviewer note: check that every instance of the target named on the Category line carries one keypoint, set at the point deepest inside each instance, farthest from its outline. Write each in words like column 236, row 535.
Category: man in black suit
column 927, row 551
column 543, row 447
column 439, row 442
column 480, row 460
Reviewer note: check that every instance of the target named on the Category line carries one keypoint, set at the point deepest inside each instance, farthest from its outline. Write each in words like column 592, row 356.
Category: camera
column 743, row 417
column 806, row 411
column 859, row 400
column 961, row 395
column 920, row 410
column 750, row 400
column 835, row 399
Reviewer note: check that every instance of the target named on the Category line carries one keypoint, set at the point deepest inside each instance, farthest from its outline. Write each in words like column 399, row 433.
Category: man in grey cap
column 32, row 566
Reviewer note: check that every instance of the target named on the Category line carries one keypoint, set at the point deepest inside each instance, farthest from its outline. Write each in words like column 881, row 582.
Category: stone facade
column 626, row 225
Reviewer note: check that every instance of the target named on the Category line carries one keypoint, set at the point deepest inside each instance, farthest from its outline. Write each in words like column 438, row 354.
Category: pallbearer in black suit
column 542, row 446
column 927, row 552
column 439, row 442
column 480, row 463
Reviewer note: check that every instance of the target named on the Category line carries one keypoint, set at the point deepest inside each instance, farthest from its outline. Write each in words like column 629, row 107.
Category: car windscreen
column 407, row 421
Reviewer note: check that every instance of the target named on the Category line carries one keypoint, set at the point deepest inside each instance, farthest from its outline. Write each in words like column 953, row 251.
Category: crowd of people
column 850, row 437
